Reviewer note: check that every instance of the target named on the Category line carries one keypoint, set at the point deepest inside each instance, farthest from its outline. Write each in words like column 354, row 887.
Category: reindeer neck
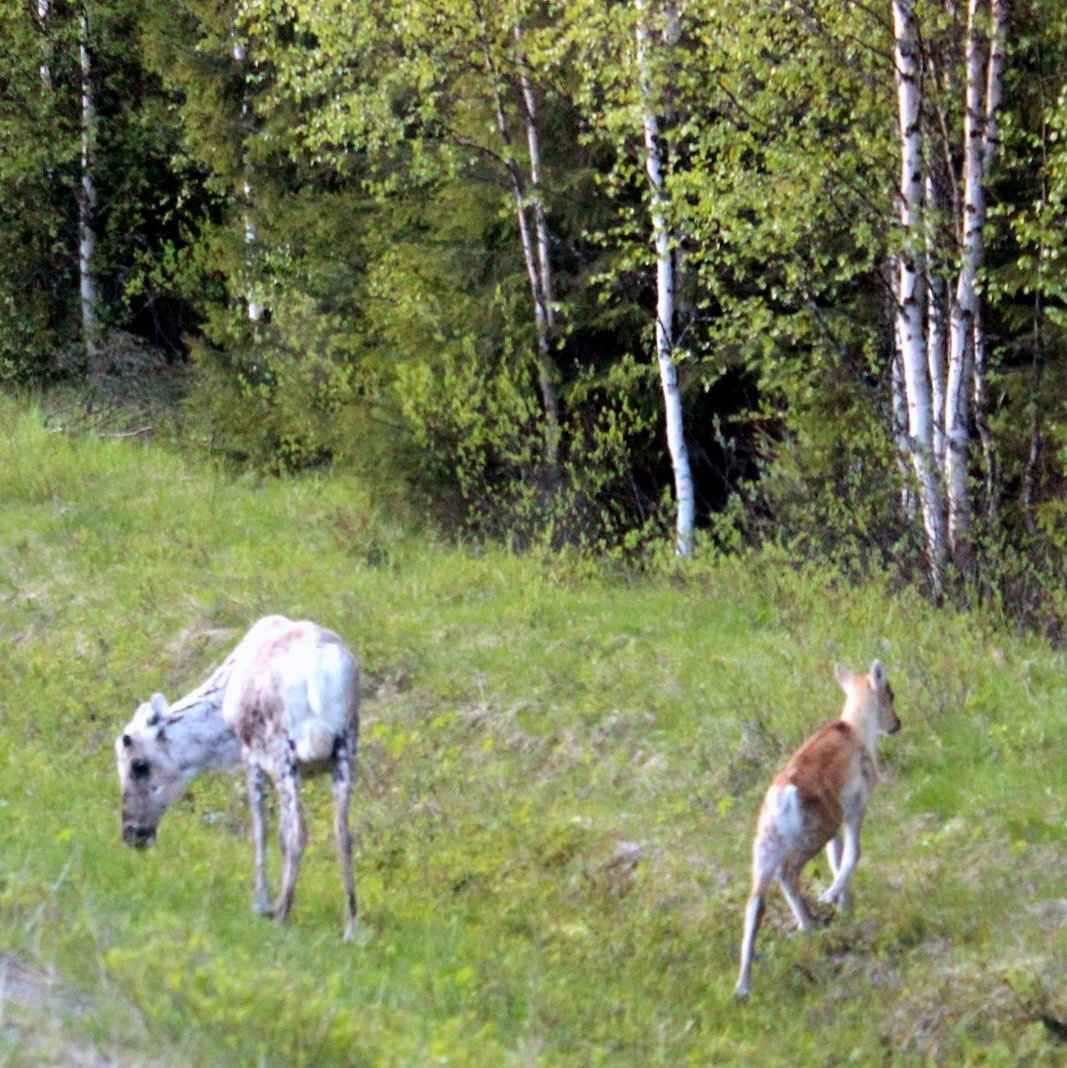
column 199, row 736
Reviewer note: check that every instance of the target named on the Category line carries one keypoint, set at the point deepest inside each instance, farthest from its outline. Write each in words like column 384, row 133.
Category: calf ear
column 844, row 677
column 878, row 673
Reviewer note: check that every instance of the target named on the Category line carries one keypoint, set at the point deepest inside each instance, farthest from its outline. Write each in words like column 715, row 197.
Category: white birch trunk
column 543, row 289
column 994, row 92
column 908, row 500
column 87, row 196
column 966, row 312
column 44, row 19
column 254, row 308
column 936, row 314
column 909, row 313
column 542, row 323
column 672, row 401
column 536, row 187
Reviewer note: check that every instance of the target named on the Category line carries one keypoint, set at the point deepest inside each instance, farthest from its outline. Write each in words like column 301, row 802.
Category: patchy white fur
column 285, row 704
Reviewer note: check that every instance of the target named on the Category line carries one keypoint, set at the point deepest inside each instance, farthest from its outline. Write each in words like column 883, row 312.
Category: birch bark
column 936, row 211
column 86, row 194
column 254, row 308
column 994, row 92
column 909, row 313
column 536, row 271
column 44, row 20
column 536, row 190
column 668, row 369
column 965, row 313
column 967, row 350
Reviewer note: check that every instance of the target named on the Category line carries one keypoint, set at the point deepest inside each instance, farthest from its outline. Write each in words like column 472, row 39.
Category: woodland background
column 430, row 321
column 433, row 244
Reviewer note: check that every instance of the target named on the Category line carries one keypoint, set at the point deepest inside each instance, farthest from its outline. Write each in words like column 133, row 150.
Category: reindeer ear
column 844, row 677
column 159, row 709
column 878, row 673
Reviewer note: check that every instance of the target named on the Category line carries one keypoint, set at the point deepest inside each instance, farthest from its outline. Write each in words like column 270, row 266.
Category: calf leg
column 767, row 852
column 254, row 776
column 753, row 915
column 788, row 880
column 850, row 855
column 834, row 854
column 342, row 792
column 293, row 837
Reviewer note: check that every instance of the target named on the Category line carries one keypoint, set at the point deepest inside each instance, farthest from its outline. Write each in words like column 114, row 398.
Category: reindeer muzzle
column 138, row 837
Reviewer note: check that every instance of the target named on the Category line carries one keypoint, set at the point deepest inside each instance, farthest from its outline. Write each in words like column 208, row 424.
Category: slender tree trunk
column 909, row 314
column 44, row 20
column 535, row 192
column 86, row 196
column 254, row 308
column 546, row 371
column 994, row 91
column 967, row 350
column 965, row 311
column 908, row 500
column 543, row 289
column 1037, row 374
column 668, row 369
column 936, row 211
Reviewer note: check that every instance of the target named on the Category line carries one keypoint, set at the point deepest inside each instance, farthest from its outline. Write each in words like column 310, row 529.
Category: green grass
column 531, row 727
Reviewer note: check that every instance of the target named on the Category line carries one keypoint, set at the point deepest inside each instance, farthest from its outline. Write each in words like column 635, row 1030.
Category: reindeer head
column 872, row 690
column 149, row 776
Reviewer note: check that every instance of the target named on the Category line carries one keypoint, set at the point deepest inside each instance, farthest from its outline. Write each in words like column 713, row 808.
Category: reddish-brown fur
column 819, row 800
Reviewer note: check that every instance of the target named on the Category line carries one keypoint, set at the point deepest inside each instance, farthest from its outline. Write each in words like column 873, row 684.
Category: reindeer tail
column 314, row 742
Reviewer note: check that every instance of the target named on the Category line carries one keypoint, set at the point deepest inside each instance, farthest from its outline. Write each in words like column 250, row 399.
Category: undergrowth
column 558, row 779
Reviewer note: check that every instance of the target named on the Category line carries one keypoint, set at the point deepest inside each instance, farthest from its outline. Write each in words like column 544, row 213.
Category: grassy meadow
column 557, row 786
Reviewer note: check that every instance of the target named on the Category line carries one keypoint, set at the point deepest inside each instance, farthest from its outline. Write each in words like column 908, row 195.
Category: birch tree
column 944, row 383
column 86, row 194
column 664, row 331
column 909, row 326
column 456, row 98
column 243, row 193
column 528, row 195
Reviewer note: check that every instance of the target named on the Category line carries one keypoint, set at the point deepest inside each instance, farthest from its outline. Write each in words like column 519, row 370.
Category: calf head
column 874, row 693
column 149, row 777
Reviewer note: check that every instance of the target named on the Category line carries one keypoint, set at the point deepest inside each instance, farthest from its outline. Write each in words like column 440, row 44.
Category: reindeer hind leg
column 343, row 763
column 254, row 777
column 293, row 836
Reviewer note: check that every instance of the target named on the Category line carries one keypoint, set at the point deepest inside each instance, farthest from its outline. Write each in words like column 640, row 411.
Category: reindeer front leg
column 254, row 778
column 293, row 836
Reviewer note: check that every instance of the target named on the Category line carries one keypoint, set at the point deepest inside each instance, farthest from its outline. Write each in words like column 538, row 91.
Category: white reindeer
column 285, row 703
column 819, row 799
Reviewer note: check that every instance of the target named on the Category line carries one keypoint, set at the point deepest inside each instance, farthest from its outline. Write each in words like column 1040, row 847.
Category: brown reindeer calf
column 819, row 799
